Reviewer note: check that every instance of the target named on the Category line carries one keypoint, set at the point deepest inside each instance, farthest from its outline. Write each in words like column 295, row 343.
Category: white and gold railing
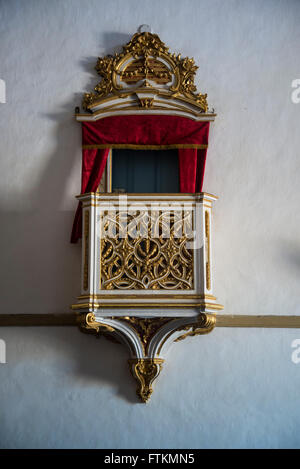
column 147, row 255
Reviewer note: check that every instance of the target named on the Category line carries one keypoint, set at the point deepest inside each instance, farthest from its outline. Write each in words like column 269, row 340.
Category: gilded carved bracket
column 148, row 340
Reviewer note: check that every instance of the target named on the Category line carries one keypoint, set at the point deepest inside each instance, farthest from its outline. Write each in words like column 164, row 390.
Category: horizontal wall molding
column 241, row 320
column 21, row 320
column 222, row 320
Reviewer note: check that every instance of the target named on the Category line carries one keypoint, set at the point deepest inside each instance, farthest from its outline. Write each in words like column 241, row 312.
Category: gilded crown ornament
column 146, row 75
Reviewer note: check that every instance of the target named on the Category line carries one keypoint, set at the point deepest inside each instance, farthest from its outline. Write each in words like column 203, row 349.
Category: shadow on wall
column 292, row 253
column 42, row 273
column 110, row 43
column 73, row 360
column 42, row 267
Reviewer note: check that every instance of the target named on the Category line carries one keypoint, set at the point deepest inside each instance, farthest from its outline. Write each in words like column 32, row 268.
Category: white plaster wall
column 232, row 388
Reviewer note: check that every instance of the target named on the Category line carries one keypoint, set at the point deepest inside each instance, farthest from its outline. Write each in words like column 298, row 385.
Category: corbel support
column 148, row 339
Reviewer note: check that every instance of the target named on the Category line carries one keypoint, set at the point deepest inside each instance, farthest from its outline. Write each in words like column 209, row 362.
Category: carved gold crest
column 146, row 75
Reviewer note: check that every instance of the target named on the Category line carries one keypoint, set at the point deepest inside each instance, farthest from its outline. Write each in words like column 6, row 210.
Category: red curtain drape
column 191, row 169
column 93, row 165
column 142, row 132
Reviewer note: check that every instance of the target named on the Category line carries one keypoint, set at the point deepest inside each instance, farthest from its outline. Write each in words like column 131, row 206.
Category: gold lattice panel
column 146, row 251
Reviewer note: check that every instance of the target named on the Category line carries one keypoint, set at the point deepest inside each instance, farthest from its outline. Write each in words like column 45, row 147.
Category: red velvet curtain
column 93, row 165
column 142, row 132
column 151, row 131
column 191, row 169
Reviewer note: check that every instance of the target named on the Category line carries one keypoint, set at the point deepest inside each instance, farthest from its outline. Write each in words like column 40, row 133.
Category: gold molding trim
column 213, row 306
column 142, row 204
column 132, row 146
column 145, row 371
column 193, row 195
column 145, row 297
column 162, row 93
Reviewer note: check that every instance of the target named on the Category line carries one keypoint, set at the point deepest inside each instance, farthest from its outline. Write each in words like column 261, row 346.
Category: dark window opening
column 145, row 171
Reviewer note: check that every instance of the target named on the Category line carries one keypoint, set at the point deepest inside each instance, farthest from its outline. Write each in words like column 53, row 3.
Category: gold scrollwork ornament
column 88, row 323
column 145, row 371
column 146, row 63
column 204, row 324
